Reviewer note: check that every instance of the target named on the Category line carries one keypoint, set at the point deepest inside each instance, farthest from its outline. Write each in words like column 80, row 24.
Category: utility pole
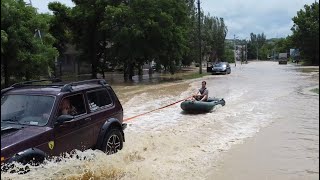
column 273, row 54
column 234, row 44
column 243, row 55
column 200, row 54
column 257, row 51
column 36, row 31
column 246, row 52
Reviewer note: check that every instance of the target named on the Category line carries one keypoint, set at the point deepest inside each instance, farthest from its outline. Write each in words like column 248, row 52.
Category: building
column 69, row 64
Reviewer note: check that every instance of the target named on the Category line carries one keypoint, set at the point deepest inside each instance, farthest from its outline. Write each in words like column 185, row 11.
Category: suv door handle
column 87, row 119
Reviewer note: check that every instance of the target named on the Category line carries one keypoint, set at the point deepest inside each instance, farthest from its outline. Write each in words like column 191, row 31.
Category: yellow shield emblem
column 51, row 144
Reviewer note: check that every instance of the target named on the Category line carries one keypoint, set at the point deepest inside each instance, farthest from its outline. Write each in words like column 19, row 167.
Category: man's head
column 65, row 106
column 204, row 83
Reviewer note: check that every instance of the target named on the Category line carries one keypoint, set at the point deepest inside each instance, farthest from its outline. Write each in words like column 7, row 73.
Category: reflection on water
column 173, row 145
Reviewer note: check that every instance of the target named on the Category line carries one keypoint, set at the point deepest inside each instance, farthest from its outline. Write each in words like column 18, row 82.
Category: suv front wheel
column 112, row 142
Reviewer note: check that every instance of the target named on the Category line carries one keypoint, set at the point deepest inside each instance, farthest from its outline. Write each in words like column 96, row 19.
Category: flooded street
column 268, row 129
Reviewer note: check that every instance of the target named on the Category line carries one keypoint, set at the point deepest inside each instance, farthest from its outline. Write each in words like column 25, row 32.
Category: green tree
column 306, row 32
column 4, row 39
column 213, row 35
column 85, row 23
column 228, row 54
column 127, row 33
column 192, row 53
column 283, row 45
column 265, row 51
column 59, row 25
column 132, row 33
column 146, row 30
column 27, row 51
column 255, row 44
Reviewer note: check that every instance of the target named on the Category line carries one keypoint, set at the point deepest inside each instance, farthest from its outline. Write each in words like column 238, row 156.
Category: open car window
column 72, row 105
column 99, row 99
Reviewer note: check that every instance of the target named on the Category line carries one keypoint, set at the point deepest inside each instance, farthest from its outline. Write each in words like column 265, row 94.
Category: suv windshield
column 26, row 109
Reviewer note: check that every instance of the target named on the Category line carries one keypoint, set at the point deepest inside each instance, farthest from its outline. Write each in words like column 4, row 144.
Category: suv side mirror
column 64, row 118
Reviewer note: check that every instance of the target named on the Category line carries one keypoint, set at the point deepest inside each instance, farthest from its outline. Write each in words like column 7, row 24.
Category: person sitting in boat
column 202, row 94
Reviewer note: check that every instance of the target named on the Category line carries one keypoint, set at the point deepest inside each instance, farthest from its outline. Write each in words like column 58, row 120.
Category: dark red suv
column 40, row 120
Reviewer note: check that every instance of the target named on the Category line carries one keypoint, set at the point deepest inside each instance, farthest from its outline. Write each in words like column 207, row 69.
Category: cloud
column 272, row 17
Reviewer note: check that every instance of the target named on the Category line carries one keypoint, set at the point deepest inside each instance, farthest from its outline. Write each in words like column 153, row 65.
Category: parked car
column 221, row 67
column 36, row 123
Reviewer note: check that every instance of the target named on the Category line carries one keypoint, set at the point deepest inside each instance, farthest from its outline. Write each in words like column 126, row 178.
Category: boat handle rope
column 133, row 117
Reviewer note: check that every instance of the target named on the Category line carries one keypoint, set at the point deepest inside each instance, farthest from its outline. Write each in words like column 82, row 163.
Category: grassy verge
column 194, row 75
column 306, row 63
column 309, row 70
column 185, row 73
column 184, row 76
column 315, row 90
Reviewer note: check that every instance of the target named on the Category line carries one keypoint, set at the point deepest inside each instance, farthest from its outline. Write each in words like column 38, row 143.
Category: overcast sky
column 271, row 17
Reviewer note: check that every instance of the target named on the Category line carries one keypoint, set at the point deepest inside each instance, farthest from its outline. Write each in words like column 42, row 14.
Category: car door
column 77, row 133
column 101, row 107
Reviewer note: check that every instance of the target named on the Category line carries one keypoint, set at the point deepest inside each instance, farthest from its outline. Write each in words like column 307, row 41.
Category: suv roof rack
column 28, row 83
column 98, row 81
column 68, row 87
column 5, row 90
column 65, row 87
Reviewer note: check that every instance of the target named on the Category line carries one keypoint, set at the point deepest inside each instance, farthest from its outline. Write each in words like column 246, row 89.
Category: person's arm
column 205, row 95
column 194, row 95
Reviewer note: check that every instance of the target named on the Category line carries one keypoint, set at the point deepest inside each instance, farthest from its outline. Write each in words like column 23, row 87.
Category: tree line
column 305, row 38
column 126, row 33
column 25, row 50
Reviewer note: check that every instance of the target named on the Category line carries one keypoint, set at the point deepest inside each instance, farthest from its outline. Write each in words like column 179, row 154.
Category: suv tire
column 112, row 142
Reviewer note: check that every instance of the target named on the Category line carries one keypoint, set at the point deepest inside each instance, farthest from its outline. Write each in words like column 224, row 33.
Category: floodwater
column 268, row 129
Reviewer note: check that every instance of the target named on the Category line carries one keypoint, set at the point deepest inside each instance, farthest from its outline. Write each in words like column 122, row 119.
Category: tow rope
column 130, row 118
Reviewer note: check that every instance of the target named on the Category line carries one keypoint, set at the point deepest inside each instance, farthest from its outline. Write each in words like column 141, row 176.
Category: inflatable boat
column 201, row 106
